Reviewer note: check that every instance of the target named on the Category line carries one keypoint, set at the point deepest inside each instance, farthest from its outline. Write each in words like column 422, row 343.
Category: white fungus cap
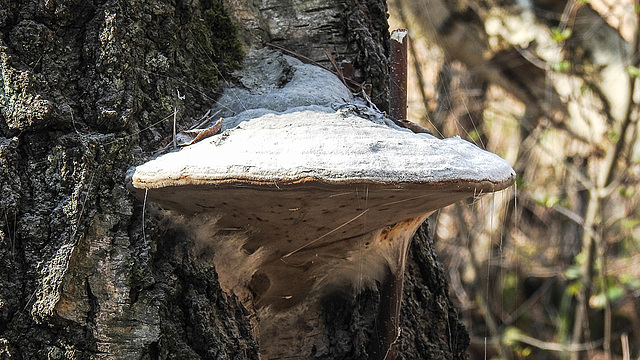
column 299, row 174
column 319, row 144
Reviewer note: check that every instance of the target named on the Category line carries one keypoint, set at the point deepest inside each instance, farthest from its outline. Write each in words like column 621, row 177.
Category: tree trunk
column 91, row 88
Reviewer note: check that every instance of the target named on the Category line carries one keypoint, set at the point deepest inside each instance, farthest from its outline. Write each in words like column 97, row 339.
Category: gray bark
column 84, row 85
column 90, row 88
column 354, row 31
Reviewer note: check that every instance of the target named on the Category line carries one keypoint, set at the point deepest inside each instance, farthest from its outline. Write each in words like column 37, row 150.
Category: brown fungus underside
column 306, row 224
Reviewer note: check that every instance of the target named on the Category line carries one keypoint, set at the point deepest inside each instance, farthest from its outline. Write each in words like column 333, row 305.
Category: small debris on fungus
column 192, row 136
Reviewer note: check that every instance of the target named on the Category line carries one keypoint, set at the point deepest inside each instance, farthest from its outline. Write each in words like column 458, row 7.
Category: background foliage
column 550, row 268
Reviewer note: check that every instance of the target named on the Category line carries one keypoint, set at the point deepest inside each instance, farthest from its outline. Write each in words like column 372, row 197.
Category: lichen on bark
column 87, row 89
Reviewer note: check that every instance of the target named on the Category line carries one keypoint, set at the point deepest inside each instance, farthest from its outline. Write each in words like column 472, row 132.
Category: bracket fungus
column 327, row 199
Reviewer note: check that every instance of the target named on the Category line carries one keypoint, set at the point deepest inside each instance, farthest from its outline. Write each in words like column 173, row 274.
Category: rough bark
column 90, row 88
column 354, row 31
column 87, row 88
column 430, row 328
column 430, row 325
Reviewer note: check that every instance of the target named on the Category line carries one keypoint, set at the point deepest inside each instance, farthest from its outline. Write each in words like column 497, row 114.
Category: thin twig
column 333, row 62
column 576, row 218
column 626, row 354
column 416, row 64
column 606, row 346
column 205, row 119
column 550, row 346
column 175, row 117
column 326, row 234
